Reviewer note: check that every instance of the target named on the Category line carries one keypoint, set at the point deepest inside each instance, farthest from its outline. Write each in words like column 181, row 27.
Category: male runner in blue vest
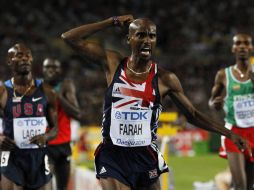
column 29, row 122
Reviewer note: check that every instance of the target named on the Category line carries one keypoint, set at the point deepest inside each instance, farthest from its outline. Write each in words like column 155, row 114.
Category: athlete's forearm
column 214, row 126
column 87, row 30
column 52, row 119
column 71, row 110
column 51, row 134
column 198, row 119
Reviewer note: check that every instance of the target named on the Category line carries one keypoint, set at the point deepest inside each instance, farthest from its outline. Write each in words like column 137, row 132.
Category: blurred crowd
column 194, row 39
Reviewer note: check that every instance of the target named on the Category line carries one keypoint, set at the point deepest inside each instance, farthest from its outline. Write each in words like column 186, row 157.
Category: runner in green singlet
column 234, row 92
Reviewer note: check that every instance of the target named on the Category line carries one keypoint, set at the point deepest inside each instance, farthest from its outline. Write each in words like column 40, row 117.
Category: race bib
column 5, row 158
column 244, row 110
column 26, row 128
column 130, row 128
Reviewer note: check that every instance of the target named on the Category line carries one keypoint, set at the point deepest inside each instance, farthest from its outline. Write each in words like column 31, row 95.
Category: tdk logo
column 131, row 115
column 34, row 122
column 247, row 103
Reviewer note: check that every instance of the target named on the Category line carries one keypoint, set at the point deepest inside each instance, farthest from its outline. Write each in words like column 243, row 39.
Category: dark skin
column 67, row 94
column 67, row 97
column 142, row 40
column 20, row 61
column 242, row 170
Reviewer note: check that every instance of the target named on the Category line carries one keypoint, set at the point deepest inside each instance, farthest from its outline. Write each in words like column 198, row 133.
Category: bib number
column 5, row 158
column 47, row 167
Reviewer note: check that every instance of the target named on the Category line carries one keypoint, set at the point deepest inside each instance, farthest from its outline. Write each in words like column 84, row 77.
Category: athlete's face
column 142, row 38
column 242, row 46
column 20, row 59
column 51, row 69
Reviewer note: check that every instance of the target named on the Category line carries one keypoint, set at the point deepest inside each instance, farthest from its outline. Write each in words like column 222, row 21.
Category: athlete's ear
column 8, row 60
column 233, row 49
column 9, row 63
column 31, row 58
column 252, row 48
column 128, row 39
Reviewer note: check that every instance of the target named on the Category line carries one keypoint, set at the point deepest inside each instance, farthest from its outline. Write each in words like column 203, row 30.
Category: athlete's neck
column 138, row 64
column 242, row 64
column 52, row 82
column 23, row 80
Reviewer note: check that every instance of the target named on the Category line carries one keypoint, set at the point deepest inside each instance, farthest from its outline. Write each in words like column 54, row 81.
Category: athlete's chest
column 126, row 92
column 34, row 105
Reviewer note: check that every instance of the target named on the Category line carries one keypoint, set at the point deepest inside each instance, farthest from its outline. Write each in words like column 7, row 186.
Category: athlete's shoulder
column 113, row 54
column 168, row 81
column 221, row 75
column 166, row 75
column 114, row 58
column 222, row 71
column 47, row 89
column 66, row 81
column 49, row 93
column 67, row 84
column 2, row 89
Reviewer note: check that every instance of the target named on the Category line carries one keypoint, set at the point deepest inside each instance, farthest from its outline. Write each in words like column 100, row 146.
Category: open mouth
column 24, row 64
column 146, row 51
column 51, row 74
column 242, row 53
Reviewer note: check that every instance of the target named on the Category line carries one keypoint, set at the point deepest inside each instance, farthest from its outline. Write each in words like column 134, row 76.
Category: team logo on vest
column 236, row 87
column 103, row 170
column 116, row 90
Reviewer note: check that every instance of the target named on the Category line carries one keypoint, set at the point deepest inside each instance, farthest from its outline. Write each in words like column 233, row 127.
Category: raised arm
column 68, row 100
column 77, row 38
column 171, row 86
column 218, row 91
